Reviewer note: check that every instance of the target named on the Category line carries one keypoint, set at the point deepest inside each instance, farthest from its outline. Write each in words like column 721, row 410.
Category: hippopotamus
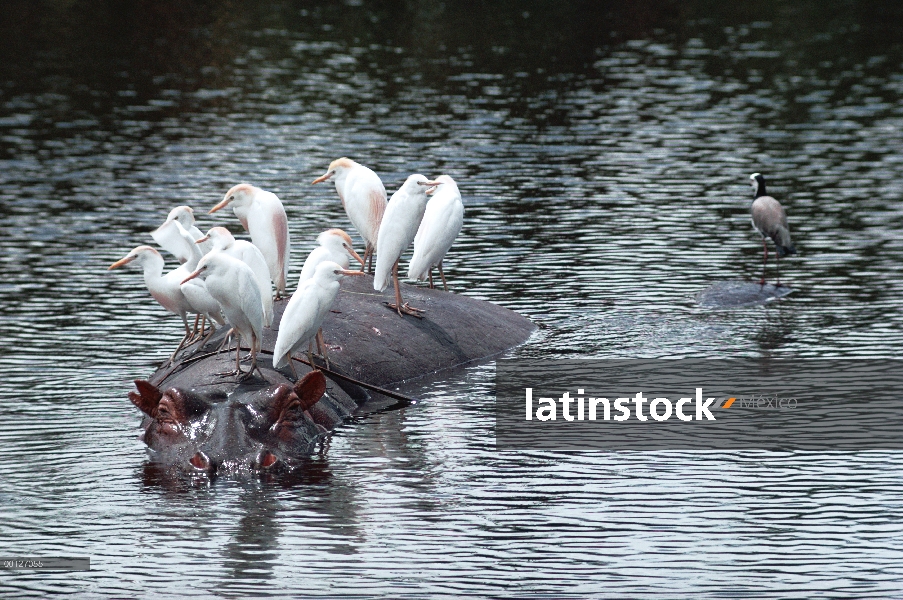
column 198, row 421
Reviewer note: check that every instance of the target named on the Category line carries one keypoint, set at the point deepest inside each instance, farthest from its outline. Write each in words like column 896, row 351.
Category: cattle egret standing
column 306, row 311
column 399, row 226
column 770, row 220
column 442, row 221
column 164, row 288
column 233, row 285
column 364, row 197
column 263, row 216
column 195, row 291
column 171, row 240
column 248, row 253
column 334, row 245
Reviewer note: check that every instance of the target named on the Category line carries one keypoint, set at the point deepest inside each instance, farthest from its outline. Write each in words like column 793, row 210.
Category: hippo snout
column 201, row 462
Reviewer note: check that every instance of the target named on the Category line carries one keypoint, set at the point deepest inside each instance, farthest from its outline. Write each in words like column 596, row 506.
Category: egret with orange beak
column 399, row 226
column 195, row 291
column 166, row 289
column 306, row 311
column 222, row 239
column 233, row 285
column 171, row 240
column 334, row 245
column 441, row 224
column 364, row 197
column 261, row 214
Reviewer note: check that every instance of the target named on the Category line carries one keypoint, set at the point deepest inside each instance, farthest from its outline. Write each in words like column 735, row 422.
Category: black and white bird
column 770, row 220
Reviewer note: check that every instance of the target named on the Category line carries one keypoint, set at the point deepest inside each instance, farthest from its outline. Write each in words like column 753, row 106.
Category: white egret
column 165, row 289
column 442, row 221
column 306, row 311
column 195, row 291
column 261, row 213
column 364, row 197
column 399, row 226
column 248, row 253
column 334, row 245
column 170, row 239
column 234, row 286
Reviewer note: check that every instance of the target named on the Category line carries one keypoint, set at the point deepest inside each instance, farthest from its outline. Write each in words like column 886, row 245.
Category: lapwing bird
column 769, row 219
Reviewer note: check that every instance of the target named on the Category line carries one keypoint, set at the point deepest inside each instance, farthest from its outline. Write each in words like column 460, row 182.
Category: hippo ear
column 146, row 398
column 310, row 389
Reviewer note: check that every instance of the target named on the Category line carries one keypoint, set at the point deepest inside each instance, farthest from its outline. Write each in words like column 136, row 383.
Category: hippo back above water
column 201, row 422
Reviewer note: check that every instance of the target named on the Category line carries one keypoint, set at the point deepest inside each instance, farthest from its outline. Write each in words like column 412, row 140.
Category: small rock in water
column 733, row 294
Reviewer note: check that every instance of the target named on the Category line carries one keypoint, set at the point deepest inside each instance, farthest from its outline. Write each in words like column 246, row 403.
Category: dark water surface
column 602, row 151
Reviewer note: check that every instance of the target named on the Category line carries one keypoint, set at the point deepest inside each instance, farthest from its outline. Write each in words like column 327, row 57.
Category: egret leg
column 370, row 267
column 765, row 259
column 291, row 364
column 254, row 367
column 310, row 356
column 237, row 370
column 397, row 288
column 198, row 331
column 778, row 263
column 321, row 346
column 442, row 275
column 399, row 306
column 208, row 336
column 194, row 330
column 228, row 349
column 431, row 279
column 200, row 328
column 184, row 339
column 227, row 341
column 367, row 253
column 172, row 359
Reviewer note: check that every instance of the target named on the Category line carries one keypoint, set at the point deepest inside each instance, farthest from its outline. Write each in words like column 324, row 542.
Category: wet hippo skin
column 200, row 421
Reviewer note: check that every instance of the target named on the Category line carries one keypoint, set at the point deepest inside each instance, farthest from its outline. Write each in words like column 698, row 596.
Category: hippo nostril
column 267, row 459
column 200, row 461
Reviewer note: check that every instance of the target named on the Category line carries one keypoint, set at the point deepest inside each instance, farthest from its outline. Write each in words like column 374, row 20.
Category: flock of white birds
column 224, row 280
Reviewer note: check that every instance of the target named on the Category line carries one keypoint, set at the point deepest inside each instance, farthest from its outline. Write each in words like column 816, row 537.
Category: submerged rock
column 735, row 294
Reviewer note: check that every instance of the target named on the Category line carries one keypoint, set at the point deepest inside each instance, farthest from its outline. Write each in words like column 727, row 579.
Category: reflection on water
column 602, row 151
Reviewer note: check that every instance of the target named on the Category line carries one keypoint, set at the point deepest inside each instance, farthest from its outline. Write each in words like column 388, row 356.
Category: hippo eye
column 290, row 413
column 164, row 416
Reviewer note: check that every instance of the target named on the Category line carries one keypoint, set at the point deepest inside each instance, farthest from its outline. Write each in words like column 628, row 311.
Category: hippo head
column 264, row 431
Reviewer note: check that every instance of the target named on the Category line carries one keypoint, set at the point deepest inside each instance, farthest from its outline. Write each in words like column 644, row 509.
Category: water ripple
column 602, row 193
